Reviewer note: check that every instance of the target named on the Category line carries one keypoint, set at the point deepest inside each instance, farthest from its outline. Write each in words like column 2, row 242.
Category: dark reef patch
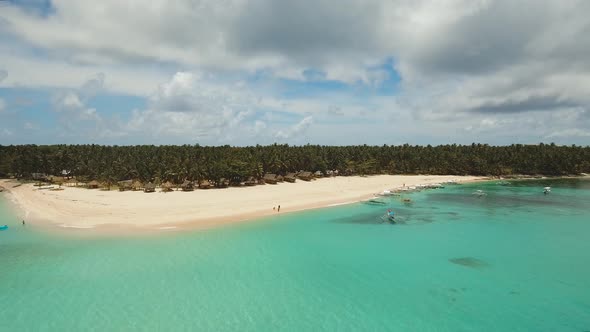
column 470, row 262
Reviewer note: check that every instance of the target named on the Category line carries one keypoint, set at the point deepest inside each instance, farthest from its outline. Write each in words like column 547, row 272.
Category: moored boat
column 479, row 193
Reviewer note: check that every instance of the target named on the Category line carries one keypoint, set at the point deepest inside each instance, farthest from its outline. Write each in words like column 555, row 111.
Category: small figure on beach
column 23, row 222
column 279, row 209
column 274, row 208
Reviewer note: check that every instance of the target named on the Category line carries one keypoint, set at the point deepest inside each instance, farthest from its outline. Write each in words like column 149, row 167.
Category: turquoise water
column 514, row 260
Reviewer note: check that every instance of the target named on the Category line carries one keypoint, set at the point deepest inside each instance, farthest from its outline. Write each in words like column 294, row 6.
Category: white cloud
column 30, row 126
column 70, row 102
column 295, row 130
column 480, row 66
column 33, row 72
column 187, row 106
column 573, row 132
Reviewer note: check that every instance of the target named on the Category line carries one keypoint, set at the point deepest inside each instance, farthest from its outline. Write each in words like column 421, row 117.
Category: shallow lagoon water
column 514, row 260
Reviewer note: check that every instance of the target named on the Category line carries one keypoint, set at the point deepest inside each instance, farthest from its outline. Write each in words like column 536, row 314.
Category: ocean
column 511, row 260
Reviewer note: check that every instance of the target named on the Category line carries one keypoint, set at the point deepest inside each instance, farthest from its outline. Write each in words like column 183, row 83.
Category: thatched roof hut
column 187, row 186
column 39, row 176
column 251, row 181
column 280, row 178
column 205, row 184
column 305, row 176
column 72, row 182
column 93, row 184
column 222, row 183
column 290, row 177
column 270, row 178
column 332, row 172
column 149, row 188
column 136, row 185
column 125, row 185
column 57, row 179
column 167, row 186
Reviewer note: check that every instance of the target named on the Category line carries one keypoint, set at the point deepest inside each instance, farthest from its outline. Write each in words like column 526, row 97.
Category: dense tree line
column 194, row 162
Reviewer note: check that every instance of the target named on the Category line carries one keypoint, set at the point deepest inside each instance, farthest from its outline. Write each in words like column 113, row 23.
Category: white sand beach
column 80, row 208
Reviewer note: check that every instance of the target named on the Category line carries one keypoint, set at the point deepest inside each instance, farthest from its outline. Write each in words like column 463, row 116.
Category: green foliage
column 236, row 164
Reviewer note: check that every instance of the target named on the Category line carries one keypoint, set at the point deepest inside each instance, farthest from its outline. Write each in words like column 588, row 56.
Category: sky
column 333, row 72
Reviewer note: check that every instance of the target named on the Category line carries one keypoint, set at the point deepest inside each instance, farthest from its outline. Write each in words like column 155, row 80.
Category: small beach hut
column 93, row 184
column 270, row 178
column 125, row 185
column 39, row 176
column 136, row 185
column 290, row 177
column 305, row 176
column 57, row 179
column 72, row 182
column 251, row 182
column 205, row 184
column 167, row 186
column 222, row 183
column 187, row 186
column 149, row 188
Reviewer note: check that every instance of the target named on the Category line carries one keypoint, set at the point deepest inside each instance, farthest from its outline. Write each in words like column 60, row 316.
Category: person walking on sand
column 279, row 209
column 23, row 222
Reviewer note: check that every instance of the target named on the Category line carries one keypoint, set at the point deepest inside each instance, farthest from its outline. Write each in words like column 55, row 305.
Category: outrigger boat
column 389, row 216
column 479, row 193
column 387, row 192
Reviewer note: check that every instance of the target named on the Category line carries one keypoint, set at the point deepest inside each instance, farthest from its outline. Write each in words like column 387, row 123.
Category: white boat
column 546, row 190
column 479, row 193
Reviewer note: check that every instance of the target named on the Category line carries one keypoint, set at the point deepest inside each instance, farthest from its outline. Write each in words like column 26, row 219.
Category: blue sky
column 245, row 72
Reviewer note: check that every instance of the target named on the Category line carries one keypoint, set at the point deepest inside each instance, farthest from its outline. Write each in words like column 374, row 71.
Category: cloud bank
column 270, row 70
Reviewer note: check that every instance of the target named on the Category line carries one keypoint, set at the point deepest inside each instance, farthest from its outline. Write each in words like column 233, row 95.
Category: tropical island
column 256, row 181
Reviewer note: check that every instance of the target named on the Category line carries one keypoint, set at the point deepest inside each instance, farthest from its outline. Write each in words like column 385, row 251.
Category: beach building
column 93, row 184
column 270, row 178
column 149, row 188
column 290, row 177
column 167, row 186
column 204, row 184
column 222, row 183
column 71, row 182
column 39, row 176
column 187, row 186
column 251, row 182
column 305, row 176
column 125, row 185
column 137, row 185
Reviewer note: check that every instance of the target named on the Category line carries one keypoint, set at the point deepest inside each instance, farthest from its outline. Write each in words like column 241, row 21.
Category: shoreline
column 92, row 211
